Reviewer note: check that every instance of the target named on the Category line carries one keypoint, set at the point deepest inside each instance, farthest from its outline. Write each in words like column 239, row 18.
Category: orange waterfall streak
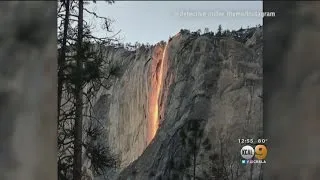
column 154, row 119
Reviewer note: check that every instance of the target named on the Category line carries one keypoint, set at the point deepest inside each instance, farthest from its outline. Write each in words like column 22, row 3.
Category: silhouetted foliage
column 219, row 33
column 206, row 30
column 101, row 157
column 191, row 135
column 97, row 151
column 198, row 31
column 80, row 64
column 184, row 31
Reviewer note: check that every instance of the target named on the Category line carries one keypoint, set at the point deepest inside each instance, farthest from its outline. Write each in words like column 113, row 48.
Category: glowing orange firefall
column 155, row 94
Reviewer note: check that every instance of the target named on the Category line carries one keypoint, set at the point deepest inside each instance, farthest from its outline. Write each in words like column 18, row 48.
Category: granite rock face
column 210, row 96
column 123, row 107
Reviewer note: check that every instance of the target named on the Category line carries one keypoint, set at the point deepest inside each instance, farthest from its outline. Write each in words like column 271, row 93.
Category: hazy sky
column 153, row 21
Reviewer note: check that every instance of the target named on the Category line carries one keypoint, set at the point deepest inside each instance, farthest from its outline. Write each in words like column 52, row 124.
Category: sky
column 154, row 21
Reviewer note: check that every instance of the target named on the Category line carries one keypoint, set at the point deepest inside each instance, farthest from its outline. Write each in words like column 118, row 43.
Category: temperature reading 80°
column 262, row 141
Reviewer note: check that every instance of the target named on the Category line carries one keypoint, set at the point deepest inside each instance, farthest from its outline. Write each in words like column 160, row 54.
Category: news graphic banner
column 253, row 151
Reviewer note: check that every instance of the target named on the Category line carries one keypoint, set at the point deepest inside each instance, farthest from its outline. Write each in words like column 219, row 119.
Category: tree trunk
column 78, row 97
column 62, row 56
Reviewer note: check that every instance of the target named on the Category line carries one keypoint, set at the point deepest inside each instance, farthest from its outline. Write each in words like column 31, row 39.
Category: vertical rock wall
column 127, row 108
column 210, row 95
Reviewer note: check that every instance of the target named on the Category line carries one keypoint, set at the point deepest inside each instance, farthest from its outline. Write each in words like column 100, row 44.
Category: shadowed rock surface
column 210, row 97
column 28, row 91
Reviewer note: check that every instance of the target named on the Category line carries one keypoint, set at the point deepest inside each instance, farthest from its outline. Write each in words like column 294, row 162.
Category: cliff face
column 123, row 108
column 177, row 110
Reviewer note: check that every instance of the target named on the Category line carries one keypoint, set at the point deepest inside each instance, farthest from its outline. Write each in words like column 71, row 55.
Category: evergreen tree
column 80, row 64
column 219, row 33
column 206, row 30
